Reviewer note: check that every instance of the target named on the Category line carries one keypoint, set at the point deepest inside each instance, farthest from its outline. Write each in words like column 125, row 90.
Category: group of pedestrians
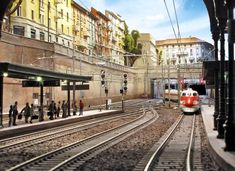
column 27, row 111
column 53, row 111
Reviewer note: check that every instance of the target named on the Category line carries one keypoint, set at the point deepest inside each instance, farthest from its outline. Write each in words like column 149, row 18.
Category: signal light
column 102, row 75
column 125, row 82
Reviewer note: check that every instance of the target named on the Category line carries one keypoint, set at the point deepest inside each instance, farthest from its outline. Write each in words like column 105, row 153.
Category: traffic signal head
column 106, row 90
column 102, row 82
column 102, row 74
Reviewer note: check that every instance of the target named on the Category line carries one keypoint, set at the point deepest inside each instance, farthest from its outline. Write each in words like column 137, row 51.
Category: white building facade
column 185, row 50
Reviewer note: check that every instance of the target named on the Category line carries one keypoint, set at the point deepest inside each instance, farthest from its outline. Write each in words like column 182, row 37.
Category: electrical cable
column 170, row 19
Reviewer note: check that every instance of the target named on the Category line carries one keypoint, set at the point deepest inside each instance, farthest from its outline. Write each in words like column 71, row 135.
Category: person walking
column 75, row 108
column 15, row 112
column 31, row 113
column 26, row 111
column 64, row 109
column 58, row 109
column 55, row 110
column 51, row 110
column 81, row 106
column 10, row 115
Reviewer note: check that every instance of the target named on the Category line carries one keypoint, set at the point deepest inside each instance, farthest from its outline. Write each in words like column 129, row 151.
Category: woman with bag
column 26, row 111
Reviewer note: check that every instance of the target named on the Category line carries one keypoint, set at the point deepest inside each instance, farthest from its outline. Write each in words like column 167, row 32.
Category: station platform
column 22, row 127
column 225, row 159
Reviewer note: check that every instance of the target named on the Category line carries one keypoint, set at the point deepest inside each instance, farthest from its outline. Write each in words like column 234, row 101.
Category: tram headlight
column 182, row 102
column 195, row 102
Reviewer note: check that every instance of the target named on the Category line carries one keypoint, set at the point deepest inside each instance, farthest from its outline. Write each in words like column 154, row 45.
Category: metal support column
column 68, row 103
column 222, row 18
column 41, row 116
column 1, row 100
column 215, row 36
column 230, row 122
column 221, row 116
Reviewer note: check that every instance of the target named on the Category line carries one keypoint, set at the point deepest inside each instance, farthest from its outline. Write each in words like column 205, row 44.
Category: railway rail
column 30, row 139
column 41, row 136
column 178, row 149
column 63, row 157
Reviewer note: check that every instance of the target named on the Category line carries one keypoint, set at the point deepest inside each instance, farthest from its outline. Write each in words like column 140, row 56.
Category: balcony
column 82, row 44
column 114, row 39
column 59, row 32
column 58, row 2
column 76, row 28
column 86, row 34
column 99, row 23
column 182, row 53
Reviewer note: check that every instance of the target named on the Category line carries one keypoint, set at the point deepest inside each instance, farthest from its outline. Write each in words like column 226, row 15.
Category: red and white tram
column 189, row 101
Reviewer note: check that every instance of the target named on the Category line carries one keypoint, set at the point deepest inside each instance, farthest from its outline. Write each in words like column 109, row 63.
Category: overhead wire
column 178, row 38
column 177, row 22
column 168, row 13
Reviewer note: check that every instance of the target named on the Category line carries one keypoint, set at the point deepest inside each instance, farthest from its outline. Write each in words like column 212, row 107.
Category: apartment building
column 45, row 20
column 185, row 50
column 102, row 34
column 81, row 28
column 149, row 54
column 69, row 24
column 116, row 33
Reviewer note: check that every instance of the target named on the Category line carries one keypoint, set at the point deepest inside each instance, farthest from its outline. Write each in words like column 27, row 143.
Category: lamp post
column 220, row 12
column 230, row 122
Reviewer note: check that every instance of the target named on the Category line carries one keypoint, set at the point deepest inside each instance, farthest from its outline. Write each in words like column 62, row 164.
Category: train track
column 178, row 149
column 30, row 139
column 72, row 156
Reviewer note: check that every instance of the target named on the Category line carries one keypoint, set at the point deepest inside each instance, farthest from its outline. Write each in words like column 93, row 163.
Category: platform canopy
column 27, row 72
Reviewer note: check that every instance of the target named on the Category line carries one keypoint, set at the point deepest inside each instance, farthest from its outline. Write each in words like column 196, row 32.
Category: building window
column 49, row 38
column 33, row 34
column 41, row 18
column 67, row 17
column 62, row 28
column 191, row 52
column 19, row 30
column 68, row 44
column 32, row 15
column 18, row 11
column 63, row 41
column 62, row 13
column 197, row 51
column 42, row 36
column 41, row 4
column 56, row 39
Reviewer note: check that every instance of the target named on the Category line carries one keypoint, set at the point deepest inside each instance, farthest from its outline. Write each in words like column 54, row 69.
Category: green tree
column 131, row 46
column 128, row 40
column 135, row 34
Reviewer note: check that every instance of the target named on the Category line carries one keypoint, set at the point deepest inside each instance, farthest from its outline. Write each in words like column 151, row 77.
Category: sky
column 150, row 16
